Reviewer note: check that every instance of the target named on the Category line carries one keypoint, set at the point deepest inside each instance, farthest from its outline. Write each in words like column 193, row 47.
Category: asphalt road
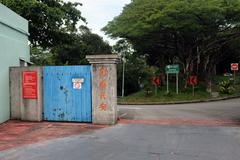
column 138, row 142
column 147, row 142
column 220, row 110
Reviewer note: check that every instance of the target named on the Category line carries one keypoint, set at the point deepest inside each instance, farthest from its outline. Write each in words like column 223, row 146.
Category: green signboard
column 172, row 69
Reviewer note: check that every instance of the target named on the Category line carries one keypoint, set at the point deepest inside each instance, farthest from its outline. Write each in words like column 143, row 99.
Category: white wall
column 13, row 45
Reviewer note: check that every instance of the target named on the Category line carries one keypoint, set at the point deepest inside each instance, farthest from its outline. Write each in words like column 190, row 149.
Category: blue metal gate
column 67, row 93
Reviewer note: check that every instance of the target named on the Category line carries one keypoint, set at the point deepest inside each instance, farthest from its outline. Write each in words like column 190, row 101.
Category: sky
column 99, row 12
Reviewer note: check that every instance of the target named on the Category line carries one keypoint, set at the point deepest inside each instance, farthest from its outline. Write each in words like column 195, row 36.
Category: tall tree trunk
column 215, row 70
column 208, row 73
column 186, row 71
column 162, row 65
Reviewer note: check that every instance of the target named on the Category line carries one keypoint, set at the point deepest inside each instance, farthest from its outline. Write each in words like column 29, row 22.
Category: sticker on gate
column 77, row 83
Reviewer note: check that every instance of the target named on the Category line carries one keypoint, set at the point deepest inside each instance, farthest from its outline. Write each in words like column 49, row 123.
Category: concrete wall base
column 25, row 109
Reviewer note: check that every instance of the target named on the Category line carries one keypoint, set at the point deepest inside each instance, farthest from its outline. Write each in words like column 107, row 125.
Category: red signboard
column 29, row 84
column 192, row 80
column 234, row 66
column 156, row 81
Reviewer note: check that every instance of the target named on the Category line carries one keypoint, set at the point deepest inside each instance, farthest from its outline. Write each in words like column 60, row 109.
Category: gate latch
column 77, row 83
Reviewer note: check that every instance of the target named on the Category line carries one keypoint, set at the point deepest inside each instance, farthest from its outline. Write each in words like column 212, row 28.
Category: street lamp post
column 123, row 74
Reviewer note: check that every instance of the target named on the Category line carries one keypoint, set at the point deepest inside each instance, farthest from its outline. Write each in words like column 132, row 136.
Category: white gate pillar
column 104, row 88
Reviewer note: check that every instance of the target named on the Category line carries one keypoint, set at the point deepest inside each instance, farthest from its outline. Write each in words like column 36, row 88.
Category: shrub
column 168, row 94
column 225, row 87
column 148, row 90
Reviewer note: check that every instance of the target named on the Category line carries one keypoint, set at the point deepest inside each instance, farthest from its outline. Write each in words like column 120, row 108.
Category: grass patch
column 163, row 96
column 184, row 94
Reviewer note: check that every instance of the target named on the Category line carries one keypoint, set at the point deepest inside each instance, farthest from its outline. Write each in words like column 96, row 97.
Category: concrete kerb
column 180, row 102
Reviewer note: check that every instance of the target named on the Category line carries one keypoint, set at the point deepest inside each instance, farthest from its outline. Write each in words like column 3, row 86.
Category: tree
column 54, row 35
column 191, row 33
column 137, row 71
column 51, row 22
column 41, row 57
column 83, row 43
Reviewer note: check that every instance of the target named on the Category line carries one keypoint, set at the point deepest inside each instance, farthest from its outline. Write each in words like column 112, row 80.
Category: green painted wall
column 13, row 45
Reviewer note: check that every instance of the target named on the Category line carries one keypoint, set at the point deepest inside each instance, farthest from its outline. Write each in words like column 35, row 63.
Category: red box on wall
column 29, row 85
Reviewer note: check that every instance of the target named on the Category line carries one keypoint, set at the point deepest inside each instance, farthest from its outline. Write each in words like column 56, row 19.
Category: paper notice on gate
column 77, row 80
column 77, row 83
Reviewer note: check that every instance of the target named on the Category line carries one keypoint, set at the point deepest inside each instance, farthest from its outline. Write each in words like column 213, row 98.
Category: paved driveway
column 18, row 133
column 138, row 142
column 220, row 110
column 141, row 135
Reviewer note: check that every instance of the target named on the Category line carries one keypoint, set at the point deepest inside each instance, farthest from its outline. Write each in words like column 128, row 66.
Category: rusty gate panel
column 67, row 93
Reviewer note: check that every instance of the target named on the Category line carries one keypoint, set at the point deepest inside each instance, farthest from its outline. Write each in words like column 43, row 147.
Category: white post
column 234, row 72
column 167, row 84
column 155, row 89
column 123, row 76
column 177, row 83
column 193, row 90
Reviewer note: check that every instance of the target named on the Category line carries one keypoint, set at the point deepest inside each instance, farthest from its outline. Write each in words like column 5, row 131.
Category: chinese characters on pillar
column 102, row 88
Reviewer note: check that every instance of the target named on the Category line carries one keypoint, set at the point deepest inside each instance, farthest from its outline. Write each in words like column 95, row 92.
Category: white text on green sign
column 172, row 69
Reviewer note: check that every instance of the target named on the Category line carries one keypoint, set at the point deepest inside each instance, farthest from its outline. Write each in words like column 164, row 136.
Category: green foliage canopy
column 51, row 22
column 178, row 31
column 72, row 53
column 195, row 17
column 84, row 43
column 137, row 72
column 54, row 35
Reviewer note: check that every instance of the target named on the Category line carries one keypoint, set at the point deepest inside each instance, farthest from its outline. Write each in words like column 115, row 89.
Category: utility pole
column 123, row 74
